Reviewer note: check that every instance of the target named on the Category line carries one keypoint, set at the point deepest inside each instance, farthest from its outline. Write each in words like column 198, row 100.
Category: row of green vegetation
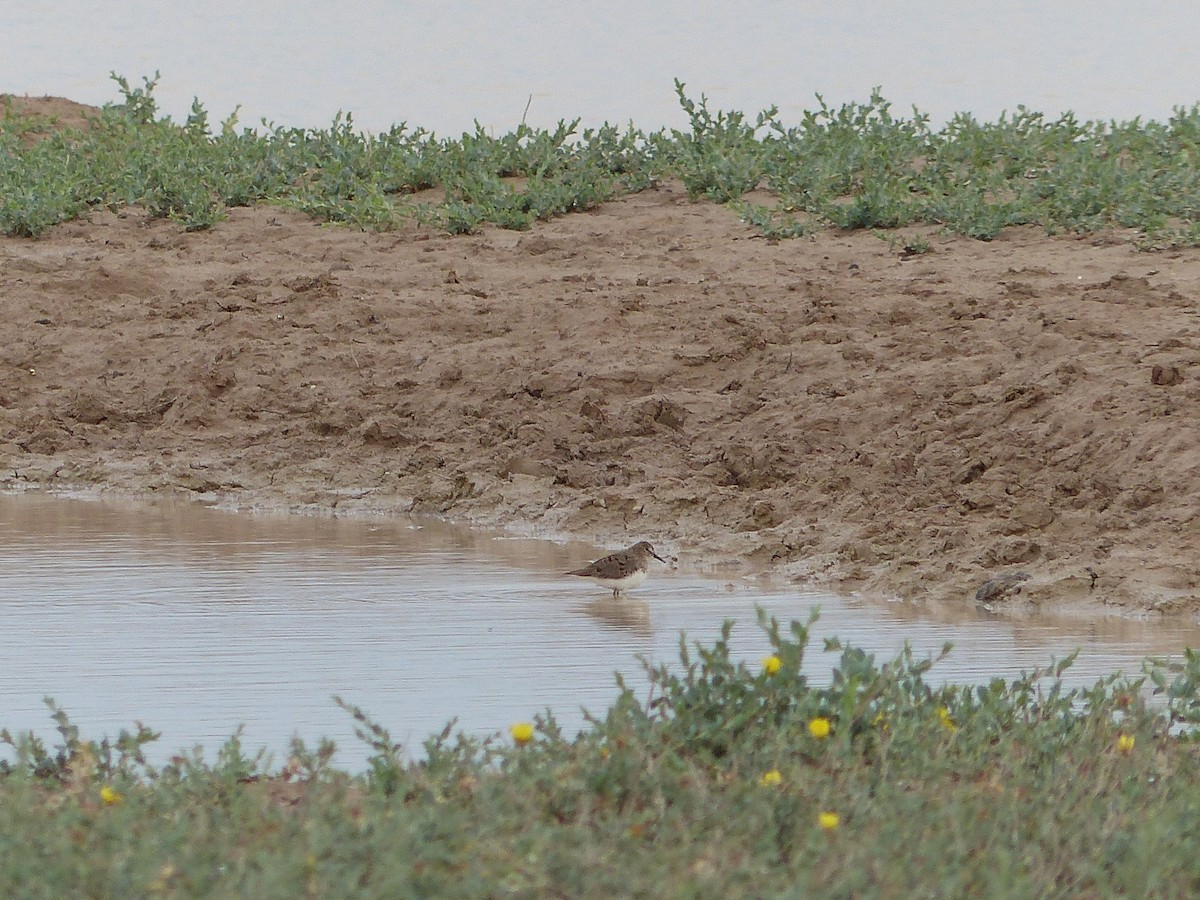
column 726, row 780
column 853, row 167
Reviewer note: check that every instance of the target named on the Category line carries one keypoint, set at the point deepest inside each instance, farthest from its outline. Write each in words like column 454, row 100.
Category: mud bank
column 825, row 407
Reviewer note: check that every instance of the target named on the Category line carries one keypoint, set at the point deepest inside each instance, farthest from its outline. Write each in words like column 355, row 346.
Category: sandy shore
column 909, row 427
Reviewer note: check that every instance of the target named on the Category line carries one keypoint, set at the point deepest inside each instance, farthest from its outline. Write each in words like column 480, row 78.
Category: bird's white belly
column 622, row 584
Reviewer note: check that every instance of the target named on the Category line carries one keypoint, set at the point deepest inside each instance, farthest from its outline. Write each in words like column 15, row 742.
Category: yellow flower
column 1125, row 743
column 947, row 722
column 771, row 664
column 110, row 796
column 522, row 732
column 819, row 728
column 771, row 778
column 829, row 820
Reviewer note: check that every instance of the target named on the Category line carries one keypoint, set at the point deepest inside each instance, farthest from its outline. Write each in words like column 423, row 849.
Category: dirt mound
column 912, row 427
column 50, row 112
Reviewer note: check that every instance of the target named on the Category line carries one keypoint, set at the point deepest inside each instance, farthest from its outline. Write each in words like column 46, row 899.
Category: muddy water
column 196, row 621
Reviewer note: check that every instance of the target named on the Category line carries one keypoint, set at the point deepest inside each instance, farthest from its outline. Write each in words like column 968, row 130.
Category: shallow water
column 445, row 65
column 196, row 621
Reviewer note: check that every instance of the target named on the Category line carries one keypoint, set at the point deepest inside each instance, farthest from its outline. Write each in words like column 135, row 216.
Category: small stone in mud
column 590, row 410
column 863, row 552
column 765, row 515
column 1000, row 587
column 972, row 472
column 671, row 414
column 1165, row 375
column 526, row 465
column 385, row 431
column 1033, row 514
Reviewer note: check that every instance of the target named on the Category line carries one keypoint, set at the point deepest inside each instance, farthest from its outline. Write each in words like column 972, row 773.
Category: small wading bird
column 623, row 569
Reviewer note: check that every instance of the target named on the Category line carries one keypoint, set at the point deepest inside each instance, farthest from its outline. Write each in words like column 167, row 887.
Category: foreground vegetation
column 856, row 166
column 727, row 780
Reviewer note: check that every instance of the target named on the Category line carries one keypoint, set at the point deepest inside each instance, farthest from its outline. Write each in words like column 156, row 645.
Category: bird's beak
column 656, row 556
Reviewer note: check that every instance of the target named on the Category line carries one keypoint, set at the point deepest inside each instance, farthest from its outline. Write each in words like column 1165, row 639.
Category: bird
column 624, row 569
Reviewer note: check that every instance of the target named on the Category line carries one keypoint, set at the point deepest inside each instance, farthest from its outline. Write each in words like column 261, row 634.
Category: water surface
column 196, row 621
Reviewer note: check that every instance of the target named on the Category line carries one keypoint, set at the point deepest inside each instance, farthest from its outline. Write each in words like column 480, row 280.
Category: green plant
column 854, row 166
column 725, row 778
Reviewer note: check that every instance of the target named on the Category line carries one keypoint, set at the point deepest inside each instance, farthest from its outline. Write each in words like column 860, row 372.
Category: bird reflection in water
column 620, row 612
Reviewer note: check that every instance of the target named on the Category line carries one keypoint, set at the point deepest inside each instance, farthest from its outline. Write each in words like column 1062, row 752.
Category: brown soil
column 652, row 369
column 47, row 113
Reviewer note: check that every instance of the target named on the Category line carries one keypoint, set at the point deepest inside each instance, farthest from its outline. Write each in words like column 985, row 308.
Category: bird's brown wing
column 615, row 565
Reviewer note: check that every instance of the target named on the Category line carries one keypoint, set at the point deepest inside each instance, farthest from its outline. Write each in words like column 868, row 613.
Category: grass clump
column 725, row 780
column 130, row 156
column 850, row 167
